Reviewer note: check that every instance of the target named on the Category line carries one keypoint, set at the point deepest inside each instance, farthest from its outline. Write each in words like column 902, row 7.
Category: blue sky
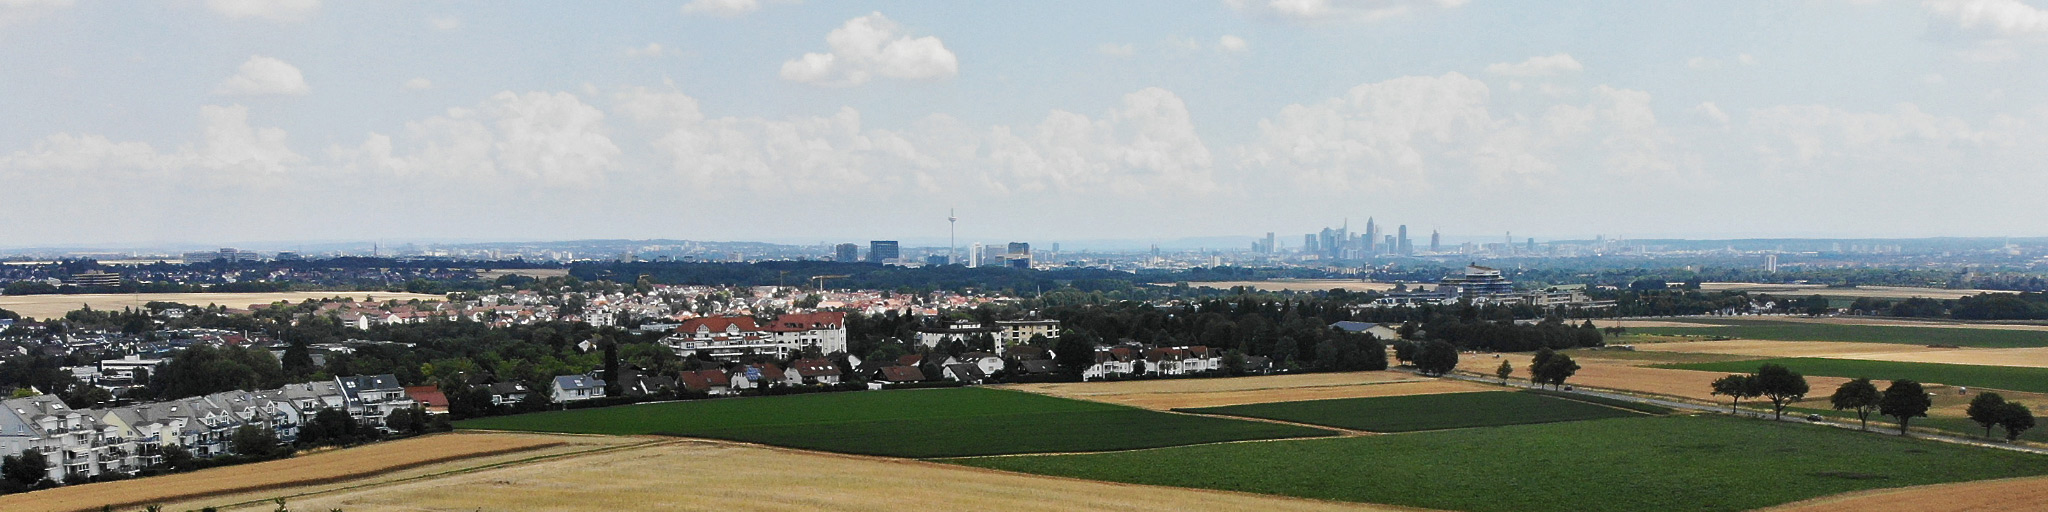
column 216, row 121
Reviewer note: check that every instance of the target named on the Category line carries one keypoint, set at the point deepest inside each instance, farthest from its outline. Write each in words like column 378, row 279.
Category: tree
column 1074, row 353
column 1436, row 358
column 1986, row 409
column 253, row 441
column 1859, row 395
column 1905, row 400
column 1556, row 369
column 2016, row 418
column 1781, row 385
column 1543, row 355
column 1506, row 369
column 1404, row 351
column 25, row 470
column 1736, row 388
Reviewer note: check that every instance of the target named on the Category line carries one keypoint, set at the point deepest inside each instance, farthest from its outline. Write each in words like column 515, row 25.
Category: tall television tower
column 952, row 224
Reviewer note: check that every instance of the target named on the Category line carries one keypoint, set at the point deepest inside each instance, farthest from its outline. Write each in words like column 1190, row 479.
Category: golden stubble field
column 1179, row 393
column 1629, row 375
column 55, row 306
column 1980, row 496
column 305, row 473
column 719, row 476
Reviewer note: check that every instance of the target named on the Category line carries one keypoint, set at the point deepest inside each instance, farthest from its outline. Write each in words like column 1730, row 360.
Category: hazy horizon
column 225, row 121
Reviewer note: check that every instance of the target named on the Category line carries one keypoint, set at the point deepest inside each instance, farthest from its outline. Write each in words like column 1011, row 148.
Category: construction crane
column 821, row 280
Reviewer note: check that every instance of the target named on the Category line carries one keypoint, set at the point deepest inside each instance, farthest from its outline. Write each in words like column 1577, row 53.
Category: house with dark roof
column 964, row 373
column 812, row 371
column 575, row 388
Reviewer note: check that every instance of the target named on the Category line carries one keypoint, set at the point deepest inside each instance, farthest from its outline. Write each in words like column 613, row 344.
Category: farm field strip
column 1164, row 401
column 910, row 423
column 1688, row 384
column 1995, row 377
column 779, row 479
column 1426, row 412
column 1806, row 331
column 2027, row 493
column 323, row 469
column 1699, row 463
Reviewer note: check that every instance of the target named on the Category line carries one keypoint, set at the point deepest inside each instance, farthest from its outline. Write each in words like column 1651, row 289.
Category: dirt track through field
column 1163, row 395
column 718, row 476
column 1981, row 496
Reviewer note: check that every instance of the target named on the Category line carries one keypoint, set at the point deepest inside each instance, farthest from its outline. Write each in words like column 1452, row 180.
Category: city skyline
column 225, row 122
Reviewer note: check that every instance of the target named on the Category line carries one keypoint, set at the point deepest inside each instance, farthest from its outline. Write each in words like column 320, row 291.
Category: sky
column 221, row 121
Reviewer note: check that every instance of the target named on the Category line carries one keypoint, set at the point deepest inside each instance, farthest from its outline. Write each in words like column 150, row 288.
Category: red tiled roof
column 902, row 374
column 430, row 395
column 797, row 322
column 814, row 367
column 718, row 324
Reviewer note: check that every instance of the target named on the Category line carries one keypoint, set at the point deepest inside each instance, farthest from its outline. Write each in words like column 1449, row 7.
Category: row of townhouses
column 1130, row 361
column 92, row 442
column 730, row 338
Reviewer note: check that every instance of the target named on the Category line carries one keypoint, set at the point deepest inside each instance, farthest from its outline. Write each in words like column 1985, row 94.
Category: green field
column 1955, row 426
column 1996, row 377
column 1802, row 331
column 1610, row 402
column 1691, row 463
column 1424, row 412
column 911, row 423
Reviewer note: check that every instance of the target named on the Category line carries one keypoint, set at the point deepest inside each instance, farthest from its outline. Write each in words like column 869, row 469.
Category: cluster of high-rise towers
column 1342, row 243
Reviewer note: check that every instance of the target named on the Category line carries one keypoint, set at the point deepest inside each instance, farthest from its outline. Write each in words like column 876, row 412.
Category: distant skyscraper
column 1308, row 244
column 1532, row 244
column 1020, row 255
column 974, row 254
column 1407, row 247
column 883, row 251
column 846, row 253
column 1372, row 237
column 1436, row 241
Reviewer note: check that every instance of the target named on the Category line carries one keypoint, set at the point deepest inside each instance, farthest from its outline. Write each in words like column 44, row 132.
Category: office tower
column 882, row 251
column 1771, row 263
column 1532, row 244
column 1020, row 255
column 1387, row 244
column 1308, row 243
column 1372, row 237
column 1406, row 247
column 1436, row 241
column 974, row 254
column 846, row 253
column 1272, row 245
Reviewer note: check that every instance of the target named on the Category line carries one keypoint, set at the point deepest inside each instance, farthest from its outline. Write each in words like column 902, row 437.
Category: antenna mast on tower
column 952, row 231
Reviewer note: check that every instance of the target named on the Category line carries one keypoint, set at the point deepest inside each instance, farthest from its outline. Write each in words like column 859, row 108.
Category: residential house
column 812, row 371
column 576, row 388
column 508, row 393
column 369, row 399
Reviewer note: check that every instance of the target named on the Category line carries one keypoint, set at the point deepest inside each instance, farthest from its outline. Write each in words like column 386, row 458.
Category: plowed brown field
column 1983, row 496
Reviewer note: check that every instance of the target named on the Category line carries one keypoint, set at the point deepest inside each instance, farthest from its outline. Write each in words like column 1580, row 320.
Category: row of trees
column 1902, row 399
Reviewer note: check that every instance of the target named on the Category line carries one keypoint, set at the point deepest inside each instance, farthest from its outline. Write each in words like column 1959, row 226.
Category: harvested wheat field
column 55, row 306
column 2035, row 357
column 1649, row 323
column 325, row 470
column 717, row 476
column 1626, row 376
column 1981, row 496
column 1907, row 322
column 1875, row 292
column 1172, row 393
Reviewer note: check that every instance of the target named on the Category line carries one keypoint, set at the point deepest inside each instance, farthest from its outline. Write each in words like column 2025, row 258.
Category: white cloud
column 17, row 11
column 1990, row 50
column 1424, row 134
column 1233, row 44
column 419, row 84
column 1547, row 65
column 1116, row 50
column 1146, row 146
column 721, row 7
column 548, row 138
column 445, row 23
column 2002, row 17
column 262, row 75
column 1312, row 11
column 273, row 10
column 1702, row 63
column 871, row 46
column 1183, row 43
column 229, row 152
column 1745, row 59
column 651, row 50
column 1710, row 112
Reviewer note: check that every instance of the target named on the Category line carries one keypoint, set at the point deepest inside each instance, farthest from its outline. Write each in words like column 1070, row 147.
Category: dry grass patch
column 713, row 476
column 1173, row 393
column 2008, row 494
column 285, row 477
column 1648, row 323
column 1910, row 322
column 55, row 306
column 1763, row 348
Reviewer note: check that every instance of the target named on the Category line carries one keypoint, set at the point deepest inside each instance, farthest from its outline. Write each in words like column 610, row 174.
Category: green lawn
column 1801, row 331
column 909, row 423
column 1686, row 463
column 1996, row 377
column 1955, row 426
column 1425, row 412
